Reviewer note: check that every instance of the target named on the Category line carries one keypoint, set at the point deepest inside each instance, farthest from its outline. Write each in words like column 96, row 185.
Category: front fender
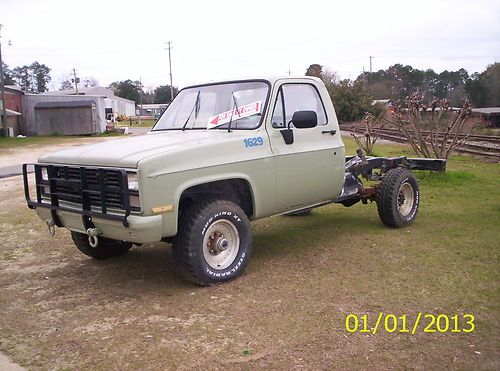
column 170, row 220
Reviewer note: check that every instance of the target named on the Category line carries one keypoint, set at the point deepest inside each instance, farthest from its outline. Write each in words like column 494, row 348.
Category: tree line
column 33, row 78
column 398, row 81
column 134, row 90
column 354, row 98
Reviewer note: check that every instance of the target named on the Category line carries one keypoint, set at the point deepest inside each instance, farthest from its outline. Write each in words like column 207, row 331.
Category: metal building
column 45, row 114
column 66, row 113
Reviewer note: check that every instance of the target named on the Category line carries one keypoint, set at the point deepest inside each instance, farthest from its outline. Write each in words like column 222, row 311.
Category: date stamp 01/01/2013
column 424, row 322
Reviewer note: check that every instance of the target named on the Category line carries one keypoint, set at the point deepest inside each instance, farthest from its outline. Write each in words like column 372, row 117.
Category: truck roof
column 271, row 80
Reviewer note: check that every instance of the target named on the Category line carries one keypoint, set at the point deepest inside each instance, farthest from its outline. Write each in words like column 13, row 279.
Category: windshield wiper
column 235, row 105
column 196, row 109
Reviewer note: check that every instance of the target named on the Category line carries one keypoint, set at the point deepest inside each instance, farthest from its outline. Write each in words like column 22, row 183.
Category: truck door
column 311, row 169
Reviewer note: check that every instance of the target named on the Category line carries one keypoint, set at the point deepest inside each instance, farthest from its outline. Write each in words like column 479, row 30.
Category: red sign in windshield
column 235, row 114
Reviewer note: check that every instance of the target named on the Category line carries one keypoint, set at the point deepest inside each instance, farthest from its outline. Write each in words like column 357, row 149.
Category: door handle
column 331, row 132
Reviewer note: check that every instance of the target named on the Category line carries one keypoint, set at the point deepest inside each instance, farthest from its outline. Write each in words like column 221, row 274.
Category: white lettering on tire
column 221, row 213
column 228, row 272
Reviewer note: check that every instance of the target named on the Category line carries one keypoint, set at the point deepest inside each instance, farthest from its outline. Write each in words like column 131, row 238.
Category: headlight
column 45, row 173
column 133, row 182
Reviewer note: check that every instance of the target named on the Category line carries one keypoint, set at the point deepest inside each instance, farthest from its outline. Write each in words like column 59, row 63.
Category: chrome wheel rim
column 405, row 199
column 221, row 244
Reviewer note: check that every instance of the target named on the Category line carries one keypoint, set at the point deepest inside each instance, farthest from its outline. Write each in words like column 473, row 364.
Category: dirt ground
column 63, row 310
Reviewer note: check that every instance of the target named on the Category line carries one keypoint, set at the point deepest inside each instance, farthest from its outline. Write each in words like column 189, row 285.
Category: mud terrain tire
column 213, row 243
column 398, row 198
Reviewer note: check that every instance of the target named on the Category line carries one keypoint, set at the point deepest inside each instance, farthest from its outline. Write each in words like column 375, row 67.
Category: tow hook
column 94, row 234
column 51, row 225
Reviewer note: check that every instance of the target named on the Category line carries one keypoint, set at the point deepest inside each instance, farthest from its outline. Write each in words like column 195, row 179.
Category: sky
column 215, row 40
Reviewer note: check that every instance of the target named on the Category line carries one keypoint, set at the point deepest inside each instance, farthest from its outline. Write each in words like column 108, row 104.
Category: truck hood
column 129, row 151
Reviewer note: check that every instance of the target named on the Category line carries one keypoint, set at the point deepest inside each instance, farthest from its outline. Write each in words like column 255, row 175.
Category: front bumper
column 141, row 229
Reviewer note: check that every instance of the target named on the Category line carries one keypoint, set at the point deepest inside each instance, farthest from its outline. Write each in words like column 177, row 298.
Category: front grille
column 88, row 191
column 89, row 187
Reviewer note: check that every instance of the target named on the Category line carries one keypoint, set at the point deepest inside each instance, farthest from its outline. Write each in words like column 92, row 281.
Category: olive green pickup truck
column 221, row 155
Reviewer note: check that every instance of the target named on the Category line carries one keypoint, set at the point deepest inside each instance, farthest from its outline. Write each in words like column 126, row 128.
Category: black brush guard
column 101, row 192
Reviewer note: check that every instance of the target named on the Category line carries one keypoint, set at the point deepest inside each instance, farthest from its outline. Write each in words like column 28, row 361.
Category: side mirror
column 305, row 119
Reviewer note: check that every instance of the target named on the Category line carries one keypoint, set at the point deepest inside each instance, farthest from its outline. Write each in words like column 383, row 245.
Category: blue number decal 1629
column 253, row 142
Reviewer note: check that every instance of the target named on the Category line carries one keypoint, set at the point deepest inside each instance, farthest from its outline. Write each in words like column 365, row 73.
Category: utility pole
column 170, row 65
column 140, row 98
column 2, row 91
column 370, row 79
column 76, row 81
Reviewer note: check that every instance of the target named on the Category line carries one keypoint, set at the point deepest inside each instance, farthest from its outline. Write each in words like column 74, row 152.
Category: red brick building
column 13, row 105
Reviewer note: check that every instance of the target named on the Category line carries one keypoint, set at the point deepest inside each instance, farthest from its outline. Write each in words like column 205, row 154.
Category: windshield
column 225, row 106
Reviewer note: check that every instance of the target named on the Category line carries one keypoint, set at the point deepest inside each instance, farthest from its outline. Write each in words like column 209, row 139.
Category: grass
column 487, row 131
column 10, row 143
column 288, row 310
column 107, row 134
column 146, row 123
column 459, row 217
column 7, row 143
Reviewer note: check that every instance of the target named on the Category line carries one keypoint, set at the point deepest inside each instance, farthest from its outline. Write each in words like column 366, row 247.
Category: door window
column 297, row 97
column 303, row 97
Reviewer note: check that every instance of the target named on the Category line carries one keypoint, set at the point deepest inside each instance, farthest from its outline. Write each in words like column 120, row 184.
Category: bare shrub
column 369, row 135
column 433, row 130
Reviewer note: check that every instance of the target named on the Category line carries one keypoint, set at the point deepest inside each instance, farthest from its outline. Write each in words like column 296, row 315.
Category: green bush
column 352, row 101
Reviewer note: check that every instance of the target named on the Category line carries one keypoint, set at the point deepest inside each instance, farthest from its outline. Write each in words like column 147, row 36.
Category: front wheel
column 398, row 198
column 213, row 243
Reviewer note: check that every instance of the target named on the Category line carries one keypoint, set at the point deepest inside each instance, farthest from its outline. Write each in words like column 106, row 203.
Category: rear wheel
column 105, row 248
column 213, row 243
column 398, row 198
